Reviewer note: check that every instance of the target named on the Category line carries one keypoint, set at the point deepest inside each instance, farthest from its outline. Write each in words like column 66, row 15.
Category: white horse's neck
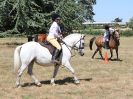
column 72, row 39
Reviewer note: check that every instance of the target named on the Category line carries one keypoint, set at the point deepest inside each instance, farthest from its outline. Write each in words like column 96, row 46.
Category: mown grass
column 97, row 80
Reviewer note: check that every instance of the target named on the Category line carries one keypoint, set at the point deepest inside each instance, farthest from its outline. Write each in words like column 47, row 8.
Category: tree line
column 33, row 16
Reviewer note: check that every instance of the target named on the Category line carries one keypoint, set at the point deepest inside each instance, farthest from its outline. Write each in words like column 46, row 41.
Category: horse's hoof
column 92, row 57
column 77, row 82
column 18, row 86
column 53, row 84
column 118, row 59
column 39, row 84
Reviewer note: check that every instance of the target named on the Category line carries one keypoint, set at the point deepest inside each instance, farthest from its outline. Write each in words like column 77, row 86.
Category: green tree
column 32, row 16
column 130, row 24
column 28, row 16
column 117, row 20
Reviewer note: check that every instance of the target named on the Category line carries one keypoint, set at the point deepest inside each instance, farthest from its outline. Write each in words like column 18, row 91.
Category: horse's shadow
column 115, row 59
column 58, row 82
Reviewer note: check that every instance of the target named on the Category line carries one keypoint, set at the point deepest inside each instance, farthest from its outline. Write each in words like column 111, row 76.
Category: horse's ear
column 118, row 30
column 83, row 36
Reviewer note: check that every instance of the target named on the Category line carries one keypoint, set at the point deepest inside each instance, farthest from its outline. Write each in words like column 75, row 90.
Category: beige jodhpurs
column 54, row 42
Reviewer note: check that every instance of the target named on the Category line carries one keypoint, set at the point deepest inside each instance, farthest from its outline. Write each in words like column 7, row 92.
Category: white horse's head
column 75, row 41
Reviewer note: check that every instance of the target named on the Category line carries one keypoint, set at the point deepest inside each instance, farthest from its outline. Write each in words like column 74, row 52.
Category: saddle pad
column 50, row 47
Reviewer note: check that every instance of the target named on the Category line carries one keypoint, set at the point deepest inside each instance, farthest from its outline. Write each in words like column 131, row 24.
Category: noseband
column 74, row 46
column 80, row 46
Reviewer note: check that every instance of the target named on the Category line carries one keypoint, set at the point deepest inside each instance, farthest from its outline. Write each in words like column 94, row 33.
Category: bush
column 92, row 32
column 5, row 34
column 127, row 33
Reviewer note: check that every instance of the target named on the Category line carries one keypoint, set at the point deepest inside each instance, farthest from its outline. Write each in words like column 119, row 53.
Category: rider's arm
column 58, row 33
column 111, row 30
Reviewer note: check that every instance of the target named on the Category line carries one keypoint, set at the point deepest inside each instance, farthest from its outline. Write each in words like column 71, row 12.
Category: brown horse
column 113, row 44
column 41, row 37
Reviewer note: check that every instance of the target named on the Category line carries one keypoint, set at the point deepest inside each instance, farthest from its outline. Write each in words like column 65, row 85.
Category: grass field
column 97, row 80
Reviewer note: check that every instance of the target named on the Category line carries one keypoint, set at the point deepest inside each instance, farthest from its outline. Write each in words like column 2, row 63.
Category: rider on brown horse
column 106, row 37
column 110, row 40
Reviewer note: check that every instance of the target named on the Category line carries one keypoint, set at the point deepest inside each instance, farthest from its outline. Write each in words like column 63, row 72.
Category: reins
column 72, row 47
column 69, row 48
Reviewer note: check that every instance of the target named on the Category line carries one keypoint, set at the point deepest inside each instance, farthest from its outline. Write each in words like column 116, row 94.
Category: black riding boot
column 106, row 44
column 56, row 56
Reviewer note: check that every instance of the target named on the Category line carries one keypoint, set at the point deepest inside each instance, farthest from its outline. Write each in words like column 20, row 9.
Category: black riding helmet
column 106, row 27
column 55, row 16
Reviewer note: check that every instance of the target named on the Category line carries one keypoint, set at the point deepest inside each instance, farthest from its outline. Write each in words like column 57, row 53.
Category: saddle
column 51, row 49
column 49, row 46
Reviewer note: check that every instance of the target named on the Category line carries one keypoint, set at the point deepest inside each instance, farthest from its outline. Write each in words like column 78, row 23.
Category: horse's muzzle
column 81, row 54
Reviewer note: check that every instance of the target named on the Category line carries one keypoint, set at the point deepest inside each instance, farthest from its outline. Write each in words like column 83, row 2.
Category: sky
column 108, row 10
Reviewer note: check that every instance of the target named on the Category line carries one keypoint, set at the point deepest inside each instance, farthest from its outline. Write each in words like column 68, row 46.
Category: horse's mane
column 72, row 35
column 113, row 35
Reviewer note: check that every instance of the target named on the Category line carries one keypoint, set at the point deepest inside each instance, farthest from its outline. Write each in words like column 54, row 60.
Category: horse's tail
column 36, row 38
column 91, row 42
column 17, row 61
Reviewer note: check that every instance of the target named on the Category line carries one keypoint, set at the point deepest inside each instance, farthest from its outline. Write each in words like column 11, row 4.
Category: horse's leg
column 111, row 52
column 100, row 52
column 56, row 68
column 95, row 52
column 117, row 52
column 30, row 67
column 69, row 67
column 20, row 72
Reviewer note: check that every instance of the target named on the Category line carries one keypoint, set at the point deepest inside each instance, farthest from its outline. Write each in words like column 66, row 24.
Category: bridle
column 116, row 35
column 81, row 46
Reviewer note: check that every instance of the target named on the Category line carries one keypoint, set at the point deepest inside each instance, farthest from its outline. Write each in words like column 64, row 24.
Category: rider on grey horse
column 54, row 34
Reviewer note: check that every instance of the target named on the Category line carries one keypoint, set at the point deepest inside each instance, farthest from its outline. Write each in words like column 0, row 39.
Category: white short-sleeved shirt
column 111, row 30
column 106, row 34
column 54, row 30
